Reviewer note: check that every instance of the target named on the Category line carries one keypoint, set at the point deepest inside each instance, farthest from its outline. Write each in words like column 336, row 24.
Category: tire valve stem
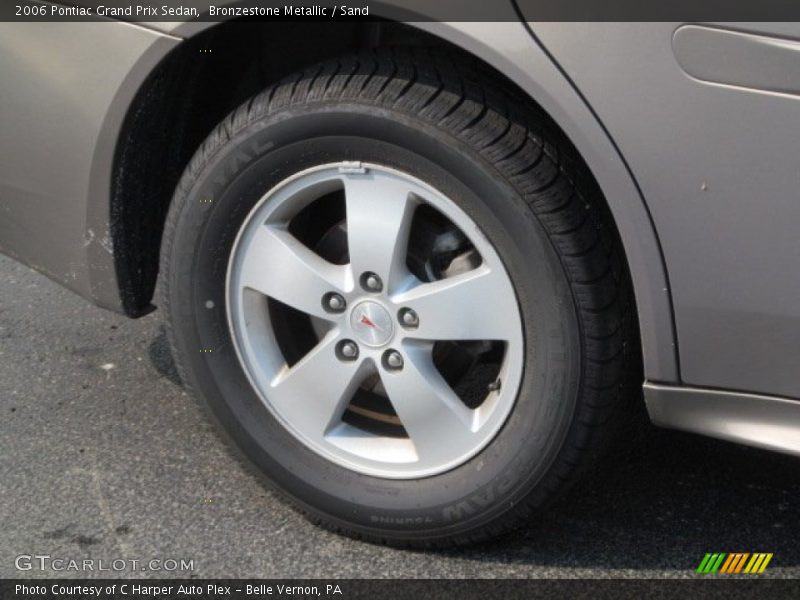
column 494, row 386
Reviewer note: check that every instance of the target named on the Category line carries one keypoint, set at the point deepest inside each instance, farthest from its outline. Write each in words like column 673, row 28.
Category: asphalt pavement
column 104, row 456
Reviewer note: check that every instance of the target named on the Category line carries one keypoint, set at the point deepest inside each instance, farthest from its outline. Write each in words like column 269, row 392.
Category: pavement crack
column 105, row 508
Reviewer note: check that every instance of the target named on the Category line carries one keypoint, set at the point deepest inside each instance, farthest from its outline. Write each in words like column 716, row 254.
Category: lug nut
column 371, row 282
column 392, row 360
column 333, row 302
column 408, row 318
column 347, row 350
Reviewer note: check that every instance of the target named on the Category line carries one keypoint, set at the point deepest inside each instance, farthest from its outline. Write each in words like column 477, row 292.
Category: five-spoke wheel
column 348, row 340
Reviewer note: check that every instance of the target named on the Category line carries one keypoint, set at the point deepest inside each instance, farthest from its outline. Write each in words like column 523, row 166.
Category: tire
column 457, row 134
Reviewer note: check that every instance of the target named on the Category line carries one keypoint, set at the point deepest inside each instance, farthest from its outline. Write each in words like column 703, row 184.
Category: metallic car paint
column 57, row 145
column 718, row 169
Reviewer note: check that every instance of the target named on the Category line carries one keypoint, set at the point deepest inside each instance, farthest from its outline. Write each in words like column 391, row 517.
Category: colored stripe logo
column 734, row 563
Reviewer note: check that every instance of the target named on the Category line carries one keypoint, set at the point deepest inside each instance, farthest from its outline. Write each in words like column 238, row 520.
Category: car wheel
column 390, row 282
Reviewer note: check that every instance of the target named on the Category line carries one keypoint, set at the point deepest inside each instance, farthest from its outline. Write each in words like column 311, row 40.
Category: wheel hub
column 371, row 323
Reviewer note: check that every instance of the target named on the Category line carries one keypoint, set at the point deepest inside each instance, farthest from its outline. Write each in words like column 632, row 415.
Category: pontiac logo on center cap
column 371, row 323
column 365, row 320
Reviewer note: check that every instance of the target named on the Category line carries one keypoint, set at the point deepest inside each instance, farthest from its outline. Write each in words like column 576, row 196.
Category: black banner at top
column 400, row 10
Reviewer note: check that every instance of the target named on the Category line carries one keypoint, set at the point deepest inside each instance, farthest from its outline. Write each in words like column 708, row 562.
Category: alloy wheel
column 375, row 320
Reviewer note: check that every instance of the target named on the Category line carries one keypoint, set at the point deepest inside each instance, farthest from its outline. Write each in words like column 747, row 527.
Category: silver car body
column 688, row 130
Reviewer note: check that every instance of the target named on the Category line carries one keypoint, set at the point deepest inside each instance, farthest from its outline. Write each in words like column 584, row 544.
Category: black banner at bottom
column 417, row 589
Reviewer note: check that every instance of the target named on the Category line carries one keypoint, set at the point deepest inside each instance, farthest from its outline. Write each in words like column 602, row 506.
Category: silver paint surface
column 718, row 169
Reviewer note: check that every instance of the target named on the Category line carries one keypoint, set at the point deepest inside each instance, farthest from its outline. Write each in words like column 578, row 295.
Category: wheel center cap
column 371, row 323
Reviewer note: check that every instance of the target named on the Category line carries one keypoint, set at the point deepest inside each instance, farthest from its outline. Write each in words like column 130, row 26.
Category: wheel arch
column 154, row 94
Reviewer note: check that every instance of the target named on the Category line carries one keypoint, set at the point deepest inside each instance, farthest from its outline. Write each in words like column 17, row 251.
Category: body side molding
column 768, row 422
